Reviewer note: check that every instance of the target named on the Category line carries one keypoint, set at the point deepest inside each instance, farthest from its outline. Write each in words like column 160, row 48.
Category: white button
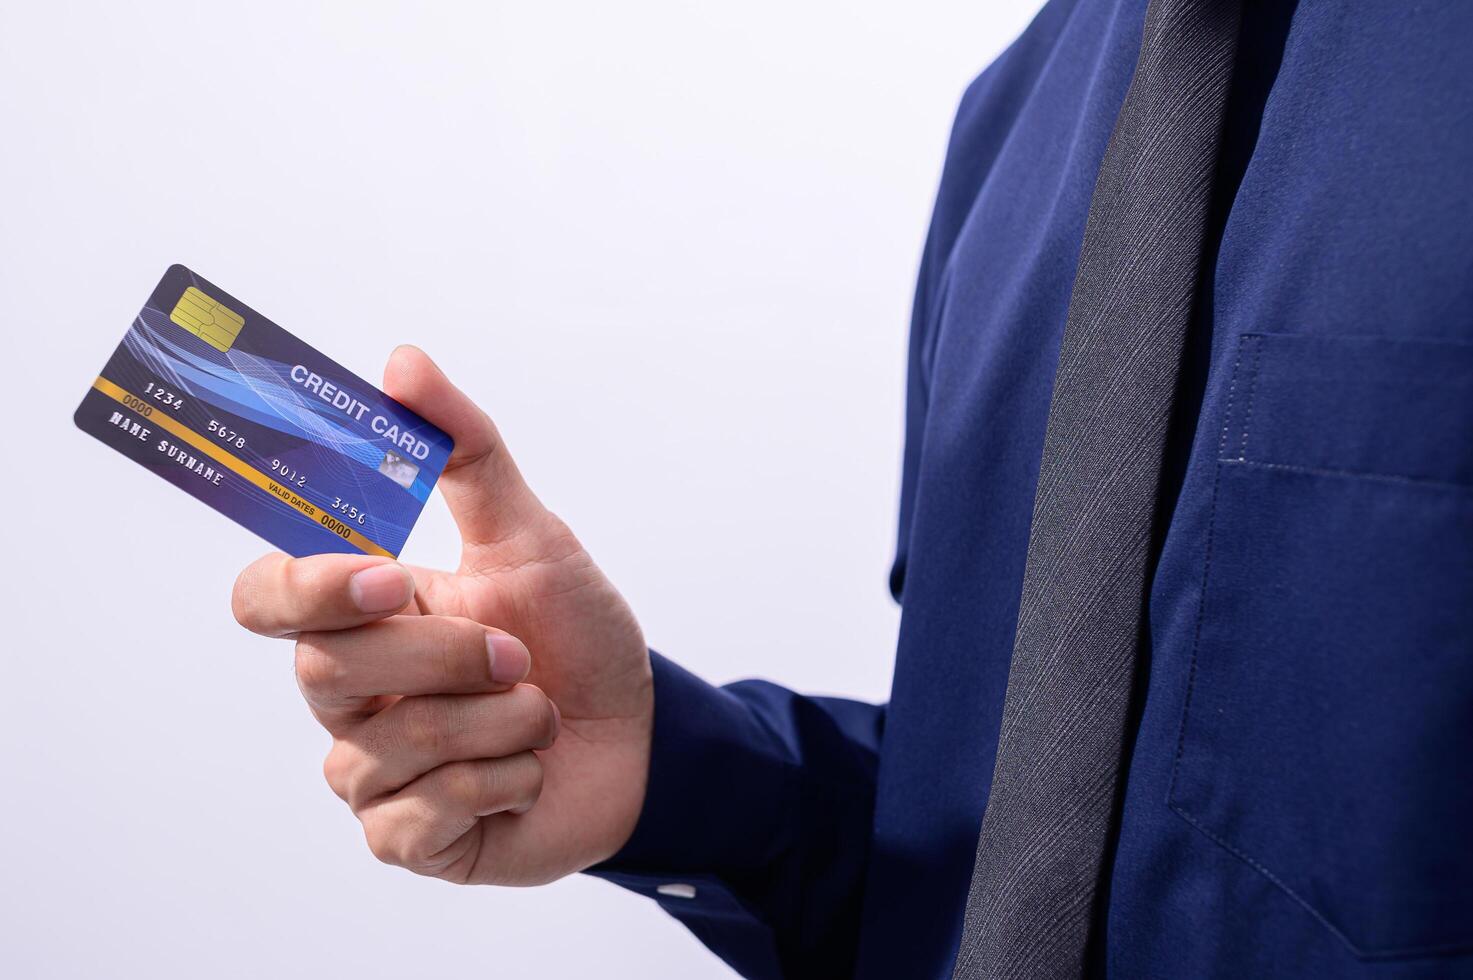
column 677, row 890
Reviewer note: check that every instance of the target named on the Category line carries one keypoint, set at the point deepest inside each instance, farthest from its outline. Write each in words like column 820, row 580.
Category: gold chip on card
column 211, row 322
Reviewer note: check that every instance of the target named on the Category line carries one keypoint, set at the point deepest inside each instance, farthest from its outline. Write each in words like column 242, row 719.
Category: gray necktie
column 1041, row 854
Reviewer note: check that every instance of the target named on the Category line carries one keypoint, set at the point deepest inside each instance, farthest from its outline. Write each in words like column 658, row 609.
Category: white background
column 670, row 247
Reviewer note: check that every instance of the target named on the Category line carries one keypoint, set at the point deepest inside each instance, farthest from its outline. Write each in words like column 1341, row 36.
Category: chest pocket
column 1327, row 734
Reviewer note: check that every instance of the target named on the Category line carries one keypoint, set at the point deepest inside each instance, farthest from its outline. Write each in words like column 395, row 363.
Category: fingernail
column 381, row 588
column 509, row 659
column 557, row 719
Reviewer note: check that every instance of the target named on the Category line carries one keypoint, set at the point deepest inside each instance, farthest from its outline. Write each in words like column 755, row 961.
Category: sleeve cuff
column 696, row 819
column 757, row 820
column 721, row 784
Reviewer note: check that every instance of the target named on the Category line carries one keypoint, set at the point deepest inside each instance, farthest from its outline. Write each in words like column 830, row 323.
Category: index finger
column 279, row 595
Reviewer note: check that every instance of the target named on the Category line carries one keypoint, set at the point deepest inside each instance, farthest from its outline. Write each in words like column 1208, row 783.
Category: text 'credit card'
column 233, row 409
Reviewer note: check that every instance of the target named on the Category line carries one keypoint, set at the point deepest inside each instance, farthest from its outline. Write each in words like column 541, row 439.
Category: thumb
column 487, row 496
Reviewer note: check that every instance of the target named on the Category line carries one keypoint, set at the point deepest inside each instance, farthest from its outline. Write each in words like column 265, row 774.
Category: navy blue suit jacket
column 1300, row 788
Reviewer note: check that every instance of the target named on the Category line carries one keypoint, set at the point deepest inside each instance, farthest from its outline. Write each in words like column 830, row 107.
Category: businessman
column 1184, row 685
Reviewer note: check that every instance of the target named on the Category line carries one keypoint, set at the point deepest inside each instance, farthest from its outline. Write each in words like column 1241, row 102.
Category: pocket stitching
column 1248, row 402
column 1171, row 803
column 1398, row 478
column 1181, row 735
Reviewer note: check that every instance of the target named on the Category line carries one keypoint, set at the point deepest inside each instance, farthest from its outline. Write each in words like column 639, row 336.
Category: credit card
column 283, row 440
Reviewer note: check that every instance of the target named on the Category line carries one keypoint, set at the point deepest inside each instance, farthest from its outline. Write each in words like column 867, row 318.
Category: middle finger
column 415, row 735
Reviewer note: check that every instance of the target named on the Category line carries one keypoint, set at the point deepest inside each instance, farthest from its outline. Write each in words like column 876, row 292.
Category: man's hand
column 490, row 725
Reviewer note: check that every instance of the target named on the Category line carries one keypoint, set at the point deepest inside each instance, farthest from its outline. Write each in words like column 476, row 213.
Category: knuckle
column 412, row 858
column 461, row 648
column 416, row 853
column 399, row 838
column 383, row 841
column 349, row 772
column 411, row 837
column 426, row 726
column 473, row 783
column 318, row 672
column 337, row 770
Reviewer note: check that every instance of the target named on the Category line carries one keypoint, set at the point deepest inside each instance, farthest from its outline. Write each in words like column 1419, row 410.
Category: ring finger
column 427, row 826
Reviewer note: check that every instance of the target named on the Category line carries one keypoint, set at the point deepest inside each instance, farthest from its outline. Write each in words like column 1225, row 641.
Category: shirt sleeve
column 756, row 825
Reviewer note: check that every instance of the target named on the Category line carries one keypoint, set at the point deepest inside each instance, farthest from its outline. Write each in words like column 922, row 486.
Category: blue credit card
column 229, row 407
